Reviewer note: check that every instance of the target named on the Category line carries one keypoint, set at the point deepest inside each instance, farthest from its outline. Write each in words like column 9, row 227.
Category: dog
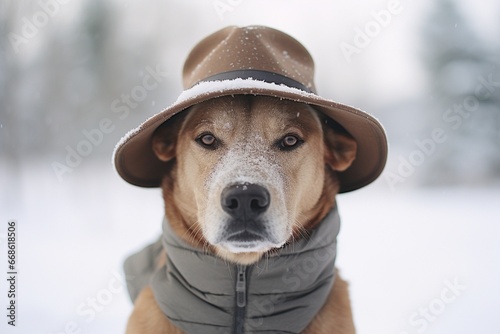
column 250, row 164
column 284, row 153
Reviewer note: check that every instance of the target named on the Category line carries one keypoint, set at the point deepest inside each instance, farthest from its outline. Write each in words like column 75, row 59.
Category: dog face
column 248, row 172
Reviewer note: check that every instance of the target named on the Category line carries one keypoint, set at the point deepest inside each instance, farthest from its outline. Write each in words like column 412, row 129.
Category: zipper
column 241, row 299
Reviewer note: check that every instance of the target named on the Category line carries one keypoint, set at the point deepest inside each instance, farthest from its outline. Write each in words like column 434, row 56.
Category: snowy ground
column 400, row 250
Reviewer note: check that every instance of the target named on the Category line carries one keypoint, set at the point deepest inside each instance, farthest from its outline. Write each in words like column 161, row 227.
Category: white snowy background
column 401, row 245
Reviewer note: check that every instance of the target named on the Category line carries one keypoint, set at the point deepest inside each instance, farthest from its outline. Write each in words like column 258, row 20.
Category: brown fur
column 310, row 177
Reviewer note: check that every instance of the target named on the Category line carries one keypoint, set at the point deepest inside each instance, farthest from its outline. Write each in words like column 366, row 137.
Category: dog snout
column 245, row 202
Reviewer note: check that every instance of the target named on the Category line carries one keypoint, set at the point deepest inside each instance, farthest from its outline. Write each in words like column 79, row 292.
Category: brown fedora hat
column 260, row 61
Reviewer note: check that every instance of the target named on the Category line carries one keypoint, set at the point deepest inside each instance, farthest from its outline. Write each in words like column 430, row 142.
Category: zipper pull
column 241, row 287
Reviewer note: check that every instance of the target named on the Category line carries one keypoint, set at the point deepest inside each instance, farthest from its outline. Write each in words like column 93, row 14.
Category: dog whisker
column 301, row 229
column 192, row 232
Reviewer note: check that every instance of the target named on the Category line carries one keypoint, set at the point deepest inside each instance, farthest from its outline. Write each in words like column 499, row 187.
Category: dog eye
column 290, row 142
column 207, row 140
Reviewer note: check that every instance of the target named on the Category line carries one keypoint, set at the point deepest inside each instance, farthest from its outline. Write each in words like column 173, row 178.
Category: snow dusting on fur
column 248, row 163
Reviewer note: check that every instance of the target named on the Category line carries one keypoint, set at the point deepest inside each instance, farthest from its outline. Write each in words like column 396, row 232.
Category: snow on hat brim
column 137, row 164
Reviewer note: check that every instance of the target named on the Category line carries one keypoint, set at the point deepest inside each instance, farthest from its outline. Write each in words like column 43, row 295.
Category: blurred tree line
column 67, row 77
column 463, row 71
column 65, row 66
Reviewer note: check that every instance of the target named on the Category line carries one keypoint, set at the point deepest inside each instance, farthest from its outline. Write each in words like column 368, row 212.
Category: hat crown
column 254, row 48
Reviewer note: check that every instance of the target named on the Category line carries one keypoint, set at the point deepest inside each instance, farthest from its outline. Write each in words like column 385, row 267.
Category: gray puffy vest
column 201, row 293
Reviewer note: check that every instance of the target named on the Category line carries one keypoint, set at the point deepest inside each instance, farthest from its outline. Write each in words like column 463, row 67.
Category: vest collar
column 281, row 293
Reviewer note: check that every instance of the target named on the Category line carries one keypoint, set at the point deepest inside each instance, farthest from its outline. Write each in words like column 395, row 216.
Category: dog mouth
column 245, row 237
column 247, row 241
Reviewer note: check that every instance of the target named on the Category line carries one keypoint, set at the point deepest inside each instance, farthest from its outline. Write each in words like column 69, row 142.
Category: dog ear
column 165, row 138
column 340, row 147
column 164, row 143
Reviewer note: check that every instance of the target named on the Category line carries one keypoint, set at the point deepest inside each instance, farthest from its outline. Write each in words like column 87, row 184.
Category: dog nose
column 245, row 201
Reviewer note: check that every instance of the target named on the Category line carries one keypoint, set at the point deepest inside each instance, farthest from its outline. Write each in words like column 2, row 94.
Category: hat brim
column 137, row 164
